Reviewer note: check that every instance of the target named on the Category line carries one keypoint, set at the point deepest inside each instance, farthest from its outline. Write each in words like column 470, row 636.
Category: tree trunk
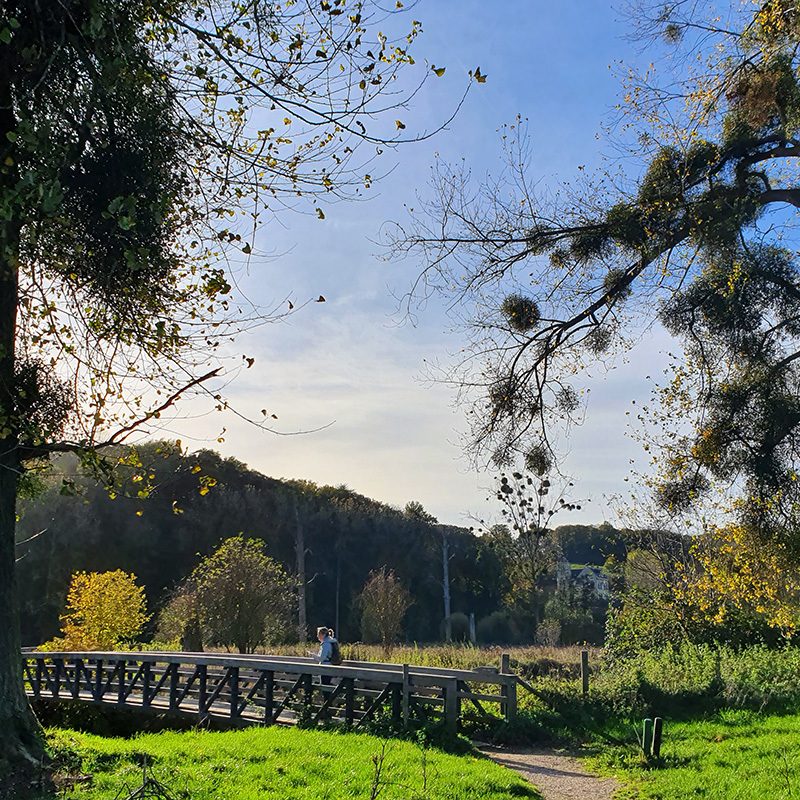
column 338, row 588
column 448, row 627
column 21, row 745
column 300, row 550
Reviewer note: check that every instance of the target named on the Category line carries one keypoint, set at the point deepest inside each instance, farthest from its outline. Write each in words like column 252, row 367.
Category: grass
column 259, row 763
column 530, row 661
column 735, row 755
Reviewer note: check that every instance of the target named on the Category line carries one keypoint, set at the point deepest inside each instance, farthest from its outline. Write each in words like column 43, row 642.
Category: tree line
column 191, row 503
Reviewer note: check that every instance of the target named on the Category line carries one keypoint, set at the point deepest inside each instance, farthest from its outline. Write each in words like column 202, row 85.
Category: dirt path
column 555, row 773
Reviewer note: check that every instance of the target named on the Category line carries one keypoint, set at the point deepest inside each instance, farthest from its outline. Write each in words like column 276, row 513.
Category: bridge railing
column 266, row 690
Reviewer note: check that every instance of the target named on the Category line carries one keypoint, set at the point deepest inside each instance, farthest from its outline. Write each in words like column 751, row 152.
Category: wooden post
column 269, row 697
column 451, row 704
column 657, row 728
column 308, row 690
column 146, row 675
column 234, row 684
column 505, row 664
column 37, row 687
column 349, row 701
column 173, row 686
column 76, row 685
column 121, row 682
column 397, row 703
column 647, row 737
column 98, row 679
column 509, row 688
column 585, row 671
column 406, row 685
column 57, row 664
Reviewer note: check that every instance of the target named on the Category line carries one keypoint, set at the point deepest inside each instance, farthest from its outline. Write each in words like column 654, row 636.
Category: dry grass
column 530, row 661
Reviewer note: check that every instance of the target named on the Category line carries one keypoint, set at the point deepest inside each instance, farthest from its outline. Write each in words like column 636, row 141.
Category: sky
column 352, row 370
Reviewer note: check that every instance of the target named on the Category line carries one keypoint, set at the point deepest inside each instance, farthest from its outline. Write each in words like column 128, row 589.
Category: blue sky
column 350, row 363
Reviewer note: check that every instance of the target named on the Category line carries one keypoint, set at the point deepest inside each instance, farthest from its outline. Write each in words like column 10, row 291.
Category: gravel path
column 555, row 773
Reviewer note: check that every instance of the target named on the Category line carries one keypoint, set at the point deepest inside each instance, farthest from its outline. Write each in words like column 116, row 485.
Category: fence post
column 657, row 727
column 451, row 704
column 509, row 688
column 585, row 671
column 647, row 737
column 406, row 682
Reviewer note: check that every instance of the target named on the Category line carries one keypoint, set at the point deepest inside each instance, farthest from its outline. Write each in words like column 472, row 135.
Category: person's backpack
column 336, row 653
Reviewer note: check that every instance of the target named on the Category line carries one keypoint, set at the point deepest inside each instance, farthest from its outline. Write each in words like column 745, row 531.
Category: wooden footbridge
column 266, row 690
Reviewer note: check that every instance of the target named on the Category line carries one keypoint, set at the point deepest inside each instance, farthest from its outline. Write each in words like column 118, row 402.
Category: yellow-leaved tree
column 104, row 609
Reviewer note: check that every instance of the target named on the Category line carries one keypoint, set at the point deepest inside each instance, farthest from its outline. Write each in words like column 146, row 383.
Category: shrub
column 103, row 610
column 498, row 628
column 459, row 627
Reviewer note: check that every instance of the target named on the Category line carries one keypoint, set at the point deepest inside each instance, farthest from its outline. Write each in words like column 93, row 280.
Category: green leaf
column 247, row 249
column 320, row 214
column 5, row 35
column 438, row 72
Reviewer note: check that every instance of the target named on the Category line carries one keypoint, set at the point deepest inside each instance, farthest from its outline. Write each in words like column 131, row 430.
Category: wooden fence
column 266, row 690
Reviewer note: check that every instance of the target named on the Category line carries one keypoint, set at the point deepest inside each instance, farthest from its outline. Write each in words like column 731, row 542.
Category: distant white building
column 586, row 575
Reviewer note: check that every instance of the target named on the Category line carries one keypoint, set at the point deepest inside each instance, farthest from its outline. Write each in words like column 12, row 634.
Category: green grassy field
column 258, row 763
column 736, row 755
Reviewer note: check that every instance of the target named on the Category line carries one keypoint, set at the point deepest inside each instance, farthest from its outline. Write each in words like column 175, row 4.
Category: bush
column 647, row 620
column 459, row 626
column 498, row 628
column 688, row 677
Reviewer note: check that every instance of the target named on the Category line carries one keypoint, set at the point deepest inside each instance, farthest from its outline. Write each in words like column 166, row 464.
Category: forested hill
column 201, row 499
column 198, row 500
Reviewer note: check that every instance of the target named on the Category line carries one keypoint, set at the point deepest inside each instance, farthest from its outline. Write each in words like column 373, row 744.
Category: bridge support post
column 349, row 701
column 269, row 697
column 98, row 679
column 121, row 668
column 406, row 690
column 234, row 684
column 173, row 686
column 146, row 676
column 76, row 681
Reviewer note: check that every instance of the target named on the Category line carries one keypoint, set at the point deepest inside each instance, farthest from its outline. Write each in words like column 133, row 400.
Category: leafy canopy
column 104, row 610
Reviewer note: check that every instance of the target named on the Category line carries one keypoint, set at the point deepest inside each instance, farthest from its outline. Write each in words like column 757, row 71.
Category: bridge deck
column 268, row 689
